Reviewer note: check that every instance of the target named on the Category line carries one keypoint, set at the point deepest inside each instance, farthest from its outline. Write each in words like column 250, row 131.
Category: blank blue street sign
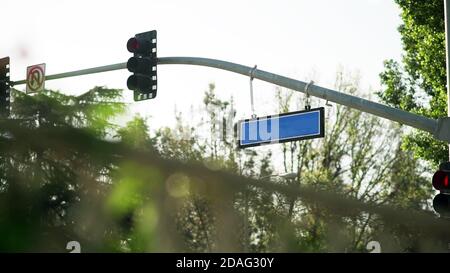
column 281, row 128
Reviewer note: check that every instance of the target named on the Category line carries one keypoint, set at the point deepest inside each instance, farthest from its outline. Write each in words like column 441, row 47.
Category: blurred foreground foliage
column 69, row 174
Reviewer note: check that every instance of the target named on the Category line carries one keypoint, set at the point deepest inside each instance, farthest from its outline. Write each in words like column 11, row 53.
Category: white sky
column 293, row 38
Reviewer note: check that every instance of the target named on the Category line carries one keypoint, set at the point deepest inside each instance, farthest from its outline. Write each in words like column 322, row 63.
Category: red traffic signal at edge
column 441, row 181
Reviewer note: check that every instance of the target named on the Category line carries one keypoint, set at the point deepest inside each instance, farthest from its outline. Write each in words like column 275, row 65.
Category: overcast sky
column 297, row 38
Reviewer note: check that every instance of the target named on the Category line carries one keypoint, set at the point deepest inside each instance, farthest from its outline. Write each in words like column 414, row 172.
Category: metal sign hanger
column 252, row 71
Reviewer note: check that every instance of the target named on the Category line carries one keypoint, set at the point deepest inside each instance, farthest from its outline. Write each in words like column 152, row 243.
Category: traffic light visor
column 441, row 204
column 140, row 65
column 139, row 83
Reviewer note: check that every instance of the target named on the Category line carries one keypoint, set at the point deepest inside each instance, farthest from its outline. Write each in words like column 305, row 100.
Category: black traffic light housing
column 143, row 65
column 5, row 88
column 441, row 182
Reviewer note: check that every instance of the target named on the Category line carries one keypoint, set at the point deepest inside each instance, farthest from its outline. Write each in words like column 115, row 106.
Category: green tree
column 43, row 184
column 358, row 157
column 179, row 189
column 419, row 83
column 136, row 134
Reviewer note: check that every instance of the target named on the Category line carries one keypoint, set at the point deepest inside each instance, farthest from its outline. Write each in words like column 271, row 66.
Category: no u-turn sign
column 35, row 78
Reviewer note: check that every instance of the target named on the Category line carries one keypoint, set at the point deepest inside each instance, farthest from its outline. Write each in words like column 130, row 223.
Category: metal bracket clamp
column 308, row 97
column 443, row 129
column 252, row 74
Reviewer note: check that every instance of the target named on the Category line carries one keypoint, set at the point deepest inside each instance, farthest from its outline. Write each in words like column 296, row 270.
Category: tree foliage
column 419, row 83
column 70, row 174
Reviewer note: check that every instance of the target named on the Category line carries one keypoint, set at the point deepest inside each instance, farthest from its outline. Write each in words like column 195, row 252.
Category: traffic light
column 143, row 65
column 4, row 88
column 441, row 182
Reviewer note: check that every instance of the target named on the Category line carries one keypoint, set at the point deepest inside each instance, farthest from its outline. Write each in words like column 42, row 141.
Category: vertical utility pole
column 447, row 49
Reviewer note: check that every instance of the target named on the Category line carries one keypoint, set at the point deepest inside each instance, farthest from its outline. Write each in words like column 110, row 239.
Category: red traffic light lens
column 441, row 180
column 132, row 45
column 139, row 46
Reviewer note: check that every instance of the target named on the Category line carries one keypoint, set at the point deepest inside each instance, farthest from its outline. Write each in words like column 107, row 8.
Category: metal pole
column 447, row 46
column 87, row 71
column 403, row 117
column 439, row 128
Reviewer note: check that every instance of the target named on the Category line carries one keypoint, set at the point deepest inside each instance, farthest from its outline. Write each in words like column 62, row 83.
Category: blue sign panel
column 281, row 128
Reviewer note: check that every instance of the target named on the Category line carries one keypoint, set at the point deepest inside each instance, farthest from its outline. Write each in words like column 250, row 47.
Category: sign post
column 35, row 78
column 447, row 50
column 281, row 128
